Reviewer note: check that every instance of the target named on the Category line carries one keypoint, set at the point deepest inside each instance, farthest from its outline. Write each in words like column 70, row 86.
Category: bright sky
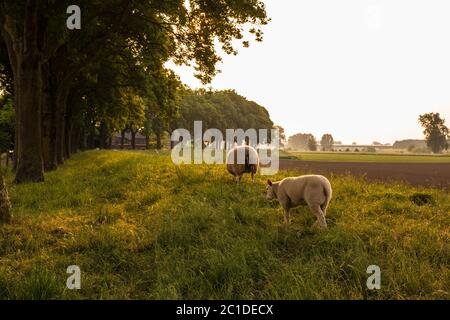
column 362, row 70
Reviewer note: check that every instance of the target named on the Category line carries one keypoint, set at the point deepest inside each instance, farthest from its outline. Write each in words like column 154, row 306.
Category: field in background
column 364, row 157
column 139, row 227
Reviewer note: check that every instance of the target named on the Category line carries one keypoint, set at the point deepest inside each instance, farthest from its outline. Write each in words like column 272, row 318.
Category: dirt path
column 416, row 174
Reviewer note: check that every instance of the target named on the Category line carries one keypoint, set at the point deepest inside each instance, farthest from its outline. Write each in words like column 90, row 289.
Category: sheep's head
column 270, row 194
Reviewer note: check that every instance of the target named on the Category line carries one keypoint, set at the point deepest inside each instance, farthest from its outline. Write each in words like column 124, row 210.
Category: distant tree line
column 220, row 110
column 307, row 141
column 412, row 145
column 437, row 138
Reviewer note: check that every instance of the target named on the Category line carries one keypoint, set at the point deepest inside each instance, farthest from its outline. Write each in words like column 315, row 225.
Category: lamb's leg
column 285, row 204
column 317, row 211
column 253, row 177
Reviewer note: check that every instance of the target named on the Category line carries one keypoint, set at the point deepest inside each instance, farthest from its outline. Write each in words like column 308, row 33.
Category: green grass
column 364, row 157
column 139, row 227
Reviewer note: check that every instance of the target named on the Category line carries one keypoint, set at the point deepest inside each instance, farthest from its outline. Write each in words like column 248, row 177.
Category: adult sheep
column 313, row 190
column 242, row 159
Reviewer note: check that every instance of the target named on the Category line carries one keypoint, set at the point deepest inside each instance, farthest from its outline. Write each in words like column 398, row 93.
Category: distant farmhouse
column 360, row 148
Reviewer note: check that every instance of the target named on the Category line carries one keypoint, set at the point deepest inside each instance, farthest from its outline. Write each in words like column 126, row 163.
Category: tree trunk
column 158, row 140
column 68, row 128
column 48, row 123
column 122, row 140
column 103, row 135
column 67, row 139
column 83, row 139
column 91, row 136
column 5, row 204
column 16, row 129
column 29, row 160
column 133, row 139
column 61, row 101
column 25, row 59
column 75, row 140
column 147, row 141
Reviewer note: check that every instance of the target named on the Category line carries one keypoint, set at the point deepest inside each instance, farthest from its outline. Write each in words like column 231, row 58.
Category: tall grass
column 141, row 228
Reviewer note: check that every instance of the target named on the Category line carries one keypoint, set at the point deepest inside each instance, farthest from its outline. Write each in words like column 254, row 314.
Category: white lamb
column 313, row 190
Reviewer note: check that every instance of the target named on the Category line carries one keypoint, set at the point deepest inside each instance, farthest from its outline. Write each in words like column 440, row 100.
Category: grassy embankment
column 139, row 227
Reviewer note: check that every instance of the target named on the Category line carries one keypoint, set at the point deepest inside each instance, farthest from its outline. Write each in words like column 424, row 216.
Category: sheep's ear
column 269, row 182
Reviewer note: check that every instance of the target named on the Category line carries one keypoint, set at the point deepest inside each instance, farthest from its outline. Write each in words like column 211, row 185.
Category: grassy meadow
column 365, row 157
column 141, row 228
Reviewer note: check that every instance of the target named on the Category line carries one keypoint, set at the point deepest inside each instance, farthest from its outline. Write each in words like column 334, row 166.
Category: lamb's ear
column 269, row 182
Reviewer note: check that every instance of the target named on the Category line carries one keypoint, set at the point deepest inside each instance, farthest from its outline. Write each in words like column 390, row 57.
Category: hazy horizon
column 361, row 70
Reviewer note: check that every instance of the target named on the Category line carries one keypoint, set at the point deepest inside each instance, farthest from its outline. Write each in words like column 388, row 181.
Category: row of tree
column 221, row 110
column 216, row 109
column 307, row 141
column 72, row 88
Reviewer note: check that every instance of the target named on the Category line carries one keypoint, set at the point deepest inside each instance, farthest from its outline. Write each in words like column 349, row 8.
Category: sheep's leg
column 325, row 206
column 286, row 205
column 286, row 216
column 324, row 210
column 317, row 211
column 253, row 177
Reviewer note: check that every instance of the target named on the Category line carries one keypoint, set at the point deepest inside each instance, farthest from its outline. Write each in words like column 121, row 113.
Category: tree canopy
column 300, row 141
column 435, row 131
column 222, row 110
column 327, row 142
column 72, row 89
